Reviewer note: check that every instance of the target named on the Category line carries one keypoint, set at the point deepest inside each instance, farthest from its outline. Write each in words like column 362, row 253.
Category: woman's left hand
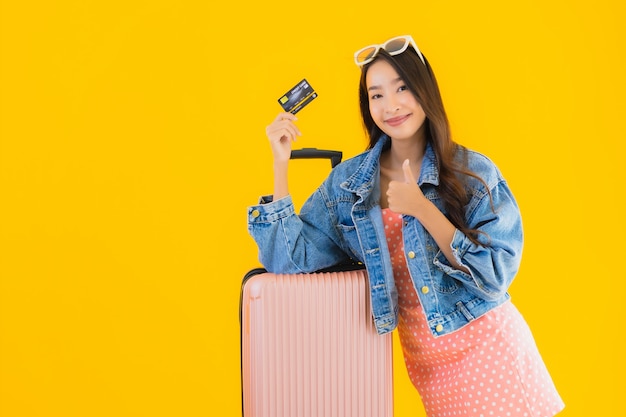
column 405, row 197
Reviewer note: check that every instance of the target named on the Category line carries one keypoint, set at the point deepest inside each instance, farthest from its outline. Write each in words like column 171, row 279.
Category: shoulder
column 480, row 165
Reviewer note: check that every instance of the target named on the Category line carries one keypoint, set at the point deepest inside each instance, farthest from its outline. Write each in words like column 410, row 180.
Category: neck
column 402, row 150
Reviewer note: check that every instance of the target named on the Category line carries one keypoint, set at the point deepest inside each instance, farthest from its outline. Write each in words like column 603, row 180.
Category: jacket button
column 425, row 289
column 439, row 328
column 255, row 213
column 411, row 254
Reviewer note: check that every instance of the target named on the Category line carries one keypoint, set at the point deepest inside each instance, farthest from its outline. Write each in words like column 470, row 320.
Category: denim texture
column 342, row 220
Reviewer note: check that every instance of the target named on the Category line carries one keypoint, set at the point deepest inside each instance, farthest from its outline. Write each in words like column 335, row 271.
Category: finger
column 289, row 134
column 289, row 119
column 391, row 190
column 408, row 174
column 287, row 130
column 391, row 202
column 286, row 116
column 296, row 131
column 282, row 135
column 280, row 125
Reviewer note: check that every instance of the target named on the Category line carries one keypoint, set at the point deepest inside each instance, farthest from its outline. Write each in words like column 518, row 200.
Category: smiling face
column 393, row 107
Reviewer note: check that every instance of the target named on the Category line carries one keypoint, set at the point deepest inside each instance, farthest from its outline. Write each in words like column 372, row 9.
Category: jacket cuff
column 459, row 246
column 269, row 210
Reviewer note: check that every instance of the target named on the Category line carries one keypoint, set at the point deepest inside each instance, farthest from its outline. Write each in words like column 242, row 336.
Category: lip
column 397, row 121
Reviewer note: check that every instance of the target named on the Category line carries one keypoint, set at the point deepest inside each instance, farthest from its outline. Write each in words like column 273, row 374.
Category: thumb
column 408, row 174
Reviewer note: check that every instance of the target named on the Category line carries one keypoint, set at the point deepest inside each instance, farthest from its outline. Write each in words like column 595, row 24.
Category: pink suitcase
column 310, row 349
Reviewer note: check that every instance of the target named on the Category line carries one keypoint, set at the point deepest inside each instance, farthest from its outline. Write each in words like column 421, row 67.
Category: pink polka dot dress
column 490, row 367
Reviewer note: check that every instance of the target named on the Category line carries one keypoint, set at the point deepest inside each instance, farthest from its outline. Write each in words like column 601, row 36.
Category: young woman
column 439, row 232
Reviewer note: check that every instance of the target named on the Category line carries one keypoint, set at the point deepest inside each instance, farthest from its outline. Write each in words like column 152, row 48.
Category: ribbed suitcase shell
column 310, row 349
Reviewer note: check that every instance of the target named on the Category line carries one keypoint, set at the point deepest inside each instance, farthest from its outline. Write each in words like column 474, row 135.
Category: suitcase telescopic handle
column 314, row 153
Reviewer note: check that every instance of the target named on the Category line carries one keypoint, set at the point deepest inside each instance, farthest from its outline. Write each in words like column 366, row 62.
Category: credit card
column 299, row 96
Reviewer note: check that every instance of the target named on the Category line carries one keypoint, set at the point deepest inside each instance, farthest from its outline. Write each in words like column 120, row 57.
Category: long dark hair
column 453, row 171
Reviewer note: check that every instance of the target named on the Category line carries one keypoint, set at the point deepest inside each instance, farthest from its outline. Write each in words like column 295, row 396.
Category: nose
column 391, row 106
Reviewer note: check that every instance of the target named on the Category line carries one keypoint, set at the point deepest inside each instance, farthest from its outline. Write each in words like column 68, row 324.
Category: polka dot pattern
column 490, row 367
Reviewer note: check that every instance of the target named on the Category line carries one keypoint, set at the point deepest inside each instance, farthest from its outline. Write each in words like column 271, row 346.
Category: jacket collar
column 367, row 174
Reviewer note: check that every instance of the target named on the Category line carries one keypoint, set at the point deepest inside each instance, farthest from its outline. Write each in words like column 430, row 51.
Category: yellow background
column 132, row 140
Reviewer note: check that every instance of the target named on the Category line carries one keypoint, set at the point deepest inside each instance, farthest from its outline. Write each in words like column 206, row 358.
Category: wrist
column 422, row 206
column 281, row 167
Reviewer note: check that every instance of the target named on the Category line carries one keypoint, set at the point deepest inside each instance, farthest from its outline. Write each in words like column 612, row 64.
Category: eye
column 403, row 88
column 375, row 96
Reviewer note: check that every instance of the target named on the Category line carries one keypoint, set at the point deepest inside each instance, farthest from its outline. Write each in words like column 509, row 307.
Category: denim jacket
column 342, row 220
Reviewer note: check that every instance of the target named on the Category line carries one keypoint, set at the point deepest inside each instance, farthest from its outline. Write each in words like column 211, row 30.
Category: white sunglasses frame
column 408, row 40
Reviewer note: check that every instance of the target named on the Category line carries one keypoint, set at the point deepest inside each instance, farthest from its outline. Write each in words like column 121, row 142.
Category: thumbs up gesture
column 405, row 197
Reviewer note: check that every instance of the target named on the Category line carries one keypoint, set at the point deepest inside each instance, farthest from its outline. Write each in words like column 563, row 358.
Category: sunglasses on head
column 393, row 46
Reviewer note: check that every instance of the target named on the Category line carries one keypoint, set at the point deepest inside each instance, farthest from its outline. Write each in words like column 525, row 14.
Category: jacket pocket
column 446, row 285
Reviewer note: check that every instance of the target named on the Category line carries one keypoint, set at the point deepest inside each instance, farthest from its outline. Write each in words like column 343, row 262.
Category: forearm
column 289, row 243
column 281, row 183
column 281, row 133
column 440, row 228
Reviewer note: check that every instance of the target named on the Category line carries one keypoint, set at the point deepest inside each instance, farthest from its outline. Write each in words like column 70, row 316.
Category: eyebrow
column 377, row 87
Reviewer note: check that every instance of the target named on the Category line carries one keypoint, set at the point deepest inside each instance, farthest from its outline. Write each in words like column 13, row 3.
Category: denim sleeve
column 493, row 266
column 291, row 243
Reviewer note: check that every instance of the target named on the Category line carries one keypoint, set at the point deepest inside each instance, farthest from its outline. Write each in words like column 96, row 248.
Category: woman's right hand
column 281, row 133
